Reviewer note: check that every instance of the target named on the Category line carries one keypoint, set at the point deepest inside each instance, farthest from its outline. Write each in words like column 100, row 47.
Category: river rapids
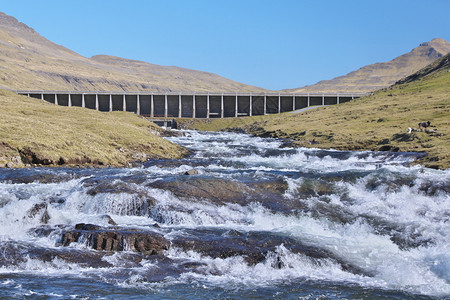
column 241, row 217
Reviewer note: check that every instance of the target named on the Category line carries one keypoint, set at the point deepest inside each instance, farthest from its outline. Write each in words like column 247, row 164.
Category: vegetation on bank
column 379, row 122
column 34, row 132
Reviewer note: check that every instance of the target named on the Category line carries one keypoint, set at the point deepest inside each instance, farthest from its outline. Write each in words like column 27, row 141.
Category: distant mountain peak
column 11, row 22
column 380, row 75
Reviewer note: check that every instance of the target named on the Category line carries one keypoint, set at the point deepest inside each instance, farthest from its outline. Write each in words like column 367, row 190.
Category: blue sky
column 274, row 44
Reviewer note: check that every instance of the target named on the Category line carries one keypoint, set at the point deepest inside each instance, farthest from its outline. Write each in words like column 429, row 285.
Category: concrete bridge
column 190, row 105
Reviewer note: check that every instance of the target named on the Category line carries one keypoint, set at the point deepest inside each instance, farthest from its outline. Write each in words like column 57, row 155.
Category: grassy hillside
column 377, row 122
column 33, row 131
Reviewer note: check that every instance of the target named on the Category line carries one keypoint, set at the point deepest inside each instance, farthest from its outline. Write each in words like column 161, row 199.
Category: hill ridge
column 30, row 61
column 383, row 74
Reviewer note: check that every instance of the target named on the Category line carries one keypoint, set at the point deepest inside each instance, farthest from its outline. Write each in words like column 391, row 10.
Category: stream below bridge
column 242, row 217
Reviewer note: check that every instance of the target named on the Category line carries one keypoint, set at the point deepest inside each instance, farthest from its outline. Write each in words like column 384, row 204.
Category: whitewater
column 241, row 217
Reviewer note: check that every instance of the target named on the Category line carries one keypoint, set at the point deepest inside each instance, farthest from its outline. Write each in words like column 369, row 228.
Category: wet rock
column 122, row 265
column 222, row 191
column 217, row 190
column 116, row 239
column 140, row 203
column 254, row 247
column 191, row 172
column 39, row 209
column 27, row 176
column 15, row 253
column 108, row 219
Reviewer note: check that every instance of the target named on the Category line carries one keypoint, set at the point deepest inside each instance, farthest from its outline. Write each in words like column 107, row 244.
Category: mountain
column 30, row 61
column 380, row 75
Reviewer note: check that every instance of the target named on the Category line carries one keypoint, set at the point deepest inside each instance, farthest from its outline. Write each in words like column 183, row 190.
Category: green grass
column 367, row 123
column 76, row 135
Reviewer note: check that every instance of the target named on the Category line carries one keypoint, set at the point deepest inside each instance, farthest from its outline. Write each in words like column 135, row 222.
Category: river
column 241, row 217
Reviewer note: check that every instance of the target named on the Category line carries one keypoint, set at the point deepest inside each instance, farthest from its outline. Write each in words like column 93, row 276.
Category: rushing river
column 251, row 218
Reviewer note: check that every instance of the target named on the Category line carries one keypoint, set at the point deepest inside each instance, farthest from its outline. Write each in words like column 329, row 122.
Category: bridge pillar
column 110, row 103
column 265, row 104
column 83, row 102
column 236, row 107
column 207, row 107
column 250, row 113
column 96, row 101
column 323, row 99
column 152, row 106
column 42, row 96
column 309, row 101
column 279, row 103
column 293, row 103
column 69, row 101
column 337, row 99
column 221, row 107
column 56, row 99
column 124, row 103
column 179, row 106
column 138, row 105
column 166, row 107
column 193, row 107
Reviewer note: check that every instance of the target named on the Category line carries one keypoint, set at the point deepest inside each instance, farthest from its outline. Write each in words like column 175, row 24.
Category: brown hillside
column 30, row 61
column 380, row 75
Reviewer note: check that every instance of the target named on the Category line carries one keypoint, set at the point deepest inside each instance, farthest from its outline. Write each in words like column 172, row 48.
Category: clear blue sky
column 275, row 44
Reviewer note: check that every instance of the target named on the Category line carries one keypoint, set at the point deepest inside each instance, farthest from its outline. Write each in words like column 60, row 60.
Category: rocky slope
column 30, row 61
column 380, row 75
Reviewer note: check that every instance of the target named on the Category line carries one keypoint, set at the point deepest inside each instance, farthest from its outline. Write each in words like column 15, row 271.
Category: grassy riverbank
column 33, row 131
column 377, row 122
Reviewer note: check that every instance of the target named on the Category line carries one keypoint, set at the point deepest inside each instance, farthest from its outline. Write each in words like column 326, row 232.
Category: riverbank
column 34, row 132
column 379, row 122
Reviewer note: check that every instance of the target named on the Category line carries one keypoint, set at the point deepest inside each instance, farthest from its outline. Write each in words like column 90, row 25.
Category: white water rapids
column 389, row 222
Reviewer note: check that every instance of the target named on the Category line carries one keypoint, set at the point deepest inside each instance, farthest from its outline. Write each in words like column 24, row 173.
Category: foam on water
column 367, row 209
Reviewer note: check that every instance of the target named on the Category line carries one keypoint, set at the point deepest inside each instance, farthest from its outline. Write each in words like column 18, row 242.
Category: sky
column 274, row 44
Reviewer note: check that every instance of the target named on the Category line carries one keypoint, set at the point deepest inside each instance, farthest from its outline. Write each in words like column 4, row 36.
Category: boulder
column 39, row 210
column 191, row 172
column 255, row 247
column 116, row 239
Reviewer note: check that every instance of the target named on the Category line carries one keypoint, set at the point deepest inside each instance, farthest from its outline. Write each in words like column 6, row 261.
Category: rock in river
column 116, row 239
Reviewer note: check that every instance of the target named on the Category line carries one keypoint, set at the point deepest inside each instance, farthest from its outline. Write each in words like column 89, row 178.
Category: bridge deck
column 191, row 104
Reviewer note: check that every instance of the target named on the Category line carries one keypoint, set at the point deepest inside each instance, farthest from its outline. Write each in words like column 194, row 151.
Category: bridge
column 190, row 105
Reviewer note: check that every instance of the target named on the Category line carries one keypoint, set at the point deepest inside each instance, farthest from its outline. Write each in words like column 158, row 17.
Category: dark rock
column 191, row 172
column 109, row 219
column 30, row 176
column 30, row 157
column 216, row 190
column 222, row 191
column 39, row 209
column 389, row 148
column 83, row 226
column 254, row 247
column 116, row 239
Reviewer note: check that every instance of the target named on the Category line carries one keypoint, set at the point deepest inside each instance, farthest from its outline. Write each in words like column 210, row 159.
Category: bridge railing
column 273, row 94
